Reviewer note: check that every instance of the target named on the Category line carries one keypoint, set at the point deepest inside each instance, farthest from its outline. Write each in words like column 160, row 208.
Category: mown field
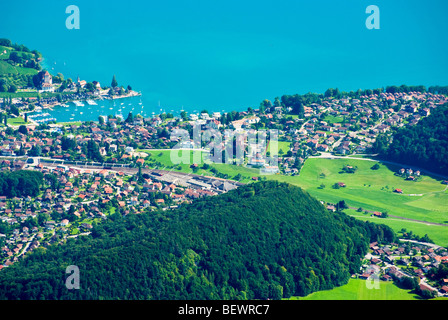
column 425, row 200
column 356, row 289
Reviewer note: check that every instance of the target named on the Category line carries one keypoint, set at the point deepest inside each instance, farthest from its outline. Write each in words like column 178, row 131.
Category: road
column 432, row 245
column 409, row 219
column 25, row 248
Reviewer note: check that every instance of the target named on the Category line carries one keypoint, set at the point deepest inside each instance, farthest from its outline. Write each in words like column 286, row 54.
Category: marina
column 91, row 110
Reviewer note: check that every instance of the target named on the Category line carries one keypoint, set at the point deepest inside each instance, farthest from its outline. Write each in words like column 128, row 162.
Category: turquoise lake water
column 230, row 55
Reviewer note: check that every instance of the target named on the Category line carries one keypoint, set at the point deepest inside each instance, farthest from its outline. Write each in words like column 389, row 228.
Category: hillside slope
column 264, row 240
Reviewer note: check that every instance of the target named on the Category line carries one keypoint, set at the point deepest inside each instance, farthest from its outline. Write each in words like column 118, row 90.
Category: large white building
column 46, row 83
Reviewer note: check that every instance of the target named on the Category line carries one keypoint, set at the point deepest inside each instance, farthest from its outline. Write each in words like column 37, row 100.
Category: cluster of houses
column 395, row 262
column 113, row 141
column 84, row 195
column 360, row 120
column 409, row 174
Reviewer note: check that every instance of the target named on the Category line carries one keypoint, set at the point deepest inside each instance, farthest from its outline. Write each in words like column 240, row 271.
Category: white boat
column 91, row 102
column 78, row 103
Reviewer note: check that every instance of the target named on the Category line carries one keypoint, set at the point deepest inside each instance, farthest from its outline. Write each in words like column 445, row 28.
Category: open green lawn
column 332, row 119
column 29, row 94
column 437, row 233
column 284, row 146
column 16, row 121
column 373, row 190
column 356, row 289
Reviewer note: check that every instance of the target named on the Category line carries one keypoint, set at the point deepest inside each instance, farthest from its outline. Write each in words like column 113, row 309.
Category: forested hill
column 424, row 145
column 263, row 240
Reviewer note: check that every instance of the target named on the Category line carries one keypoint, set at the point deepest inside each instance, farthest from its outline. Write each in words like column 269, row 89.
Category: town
column 406, row 262
column 118, row 165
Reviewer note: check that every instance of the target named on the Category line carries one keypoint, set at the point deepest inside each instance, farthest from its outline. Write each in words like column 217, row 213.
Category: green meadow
column 356, row 289
column 333, row 119
column 425, row 200
column 16, row 121
column 282, row 148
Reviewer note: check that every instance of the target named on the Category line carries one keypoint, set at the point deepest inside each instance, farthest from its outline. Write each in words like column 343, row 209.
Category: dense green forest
column 424, row 145
column 263, row 240
column 21, row 183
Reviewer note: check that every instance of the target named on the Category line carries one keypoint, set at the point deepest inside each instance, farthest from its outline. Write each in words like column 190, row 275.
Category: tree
column 376, row 166
column 114, row 82
column 5, row 42
column 93, row 152
column 3, row 87
column 23, row 129
column 14, row 110
column 12, row 88
column 130, row 118
column 35, row 151
column 341, row 205
column 89, row 86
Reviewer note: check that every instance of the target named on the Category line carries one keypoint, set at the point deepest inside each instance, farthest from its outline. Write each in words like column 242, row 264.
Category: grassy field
column 284, row 146
column 28, row 94
column 437, row 233
column 332, row 119
column 16, row 121
column 373, row 190
column 356, row 289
